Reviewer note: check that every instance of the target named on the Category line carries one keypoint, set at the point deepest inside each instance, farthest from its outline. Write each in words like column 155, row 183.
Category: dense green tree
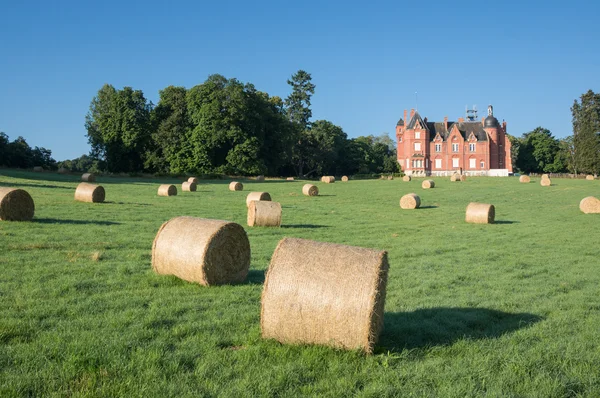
column 19, row 154
column 567, row 154
column 586, row 132
column 3, row 149
column 538, row 152
column 298, row 102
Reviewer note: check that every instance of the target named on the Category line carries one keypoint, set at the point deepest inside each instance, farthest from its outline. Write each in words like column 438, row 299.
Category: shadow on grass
column 307, row 226
column 444, row 326
column 505, row 222
column 60, row 221
column 255, row 277
column 325, row 195
column 125, row 203
column 428, row 207
column 20, row 184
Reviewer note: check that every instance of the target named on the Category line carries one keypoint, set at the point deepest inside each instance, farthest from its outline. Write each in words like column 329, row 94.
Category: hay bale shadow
column 308, row 226
column 64, row 221
column 443, row 326
column 428, row 207
column 505, row 222
column 255, row 277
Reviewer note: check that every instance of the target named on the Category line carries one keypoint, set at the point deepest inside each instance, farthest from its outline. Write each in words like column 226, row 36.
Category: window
column 472, row 163
column 407, row 163
column 399, row 139
column 482, row 164
column 417, row 146
column 418, row 163
column 454, row 147
column 472, row 147
column 438, row 163
column 426, row 162
column 438, row 147
column 454, row 162
column 417, row 135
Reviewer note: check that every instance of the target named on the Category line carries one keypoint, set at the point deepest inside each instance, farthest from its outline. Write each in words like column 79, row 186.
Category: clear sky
column 530, row 59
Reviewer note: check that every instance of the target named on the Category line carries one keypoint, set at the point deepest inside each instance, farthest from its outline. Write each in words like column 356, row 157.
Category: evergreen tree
column 586, row 132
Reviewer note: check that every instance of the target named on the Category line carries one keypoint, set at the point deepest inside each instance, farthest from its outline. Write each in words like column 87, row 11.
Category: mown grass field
column 510, row 309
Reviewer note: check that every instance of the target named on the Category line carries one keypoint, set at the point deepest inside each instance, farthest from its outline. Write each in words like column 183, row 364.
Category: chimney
column 412, row 113
column 461, row 120
column 504, row 126
column 446, row 122
column 482, row 121
column 405, row 121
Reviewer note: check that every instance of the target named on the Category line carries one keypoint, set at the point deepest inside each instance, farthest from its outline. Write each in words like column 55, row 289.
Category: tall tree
column 567, row 154
column 586, row 132
column 538, row 151
column 3, row 149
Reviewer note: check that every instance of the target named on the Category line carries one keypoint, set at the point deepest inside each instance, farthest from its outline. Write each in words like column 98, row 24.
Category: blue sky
column 530, row 59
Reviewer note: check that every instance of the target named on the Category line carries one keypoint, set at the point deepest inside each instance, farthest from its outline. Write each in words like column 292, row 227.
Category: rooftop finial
column 490, row 110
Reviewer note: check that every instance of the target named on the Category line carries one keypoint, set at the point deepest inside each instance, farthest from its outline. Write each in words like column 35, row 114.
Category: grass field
column 510, row 309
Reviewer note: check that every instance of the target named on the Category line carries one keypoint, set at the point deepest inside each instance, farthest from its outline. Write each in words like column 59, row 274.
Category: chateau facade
column 469, row 147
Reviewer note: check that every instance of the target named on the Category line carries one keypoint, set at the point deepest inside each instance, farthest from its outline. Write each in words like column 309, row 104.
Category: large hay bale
column 38, row 169
column 90, row 193
column 15, row 205
column 88, row 177
column 324, row 293
column 236, row 186
column 189, row 186
column 328, row 179
column 455, row 177
column 589, row 177
column 590, row 205
column 410, row 201
column 63, row 170
column 290, row 179
column 257, row 196
column 260, row 178
column 428, row 184
column 194, row 180
column 310, row 190
column 545, row 182
column 208, row 252
column 345, row 178
column 480, row 213
column 264, row 214
column 167, row 190
column 463, row 177
column 406, row 178
column 525, row 179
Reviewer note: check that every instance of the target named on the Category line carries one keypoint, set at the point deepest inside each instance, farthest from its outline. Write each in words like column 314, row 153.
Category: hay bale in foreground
column 545, row 182
column 236, row 186
column 406, row 178
column 88, row 177
column 324, row 293
column 63, row 170
column 290, row 179
column 38, row 169
column 90, row 193
column 344, row 178
column 264, row 214
column 194, row 180
column 310, row 190
column 428, row 184
column 260, row 178
column 16, row 205
column 590, row 205
column 589, row 177
column 328, row 179
column 200, row 250
column 410, row 201
column 455, row 177
column 167, row 190
column 463, row 177
column 525, row 179
column 189, row 186
column 257, row 196
column 480, row 213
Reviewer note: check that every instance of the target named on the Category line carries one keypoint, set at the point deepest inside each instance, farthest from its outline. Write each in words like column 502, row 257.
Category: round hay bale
column 189, row 186
column 480, row 213
column 260, row 178
column 257, row 196
column 167, row 190
column 410, row 201
column 428, row 184
column 390, row 177
column 236, row 186
column 264, row 214
column 310, row 190
column 62, row 170
column 463, row 178
column 589, row 177
column 406, row 178
column 88, row 177
column 15, row 205
column 590, row 205
column 324, row 293
column 328, row 179
column 545, row 182
column 194, row 180
column 38, row 169
column 455, row 177
column 290, row 179
column 525, row 179
column 90, row 193
column 344, row 178
column 545, row 176
column 208, row 252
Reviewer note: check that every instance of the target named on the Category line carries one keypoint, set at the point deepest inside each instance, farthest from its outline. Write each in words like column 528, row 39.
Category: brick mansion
column 471, row 147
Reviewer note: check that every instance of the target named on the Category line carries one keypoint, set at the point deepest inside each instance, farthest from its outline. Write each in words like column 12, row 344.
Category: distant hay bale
column 428, row 184
column 589, row 177
column 290, row 179
column 590, row 205
column 344, row 178
column 167, row 190
column 545, row 182
column 16, row 205
column 90, row 193
column 455, row 177
column 310, row 190
column 189, row 186
column 410, row 201
column 88, row 177
column 264, row 214
column 545, row 176
column 463, row 178
column 62, row 170
column 194, row 180
column 260, row 178
column 480, row 213
column 208, row 252
column 257, row 196
column 236, row 186
column 525, row 179
column 328, row 179
column 324, row 293
column 390, row 177
column 406, row 178
column 38, row 169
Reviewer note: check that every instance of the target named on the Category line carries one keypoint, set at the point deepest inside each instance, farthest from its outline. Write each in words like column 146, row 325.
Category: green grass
column 510, row 309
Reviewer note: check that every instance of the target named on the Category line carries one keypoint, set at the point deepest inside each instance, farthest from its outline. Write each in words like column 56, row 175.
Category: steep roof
column 465, row 128
column 413, row 121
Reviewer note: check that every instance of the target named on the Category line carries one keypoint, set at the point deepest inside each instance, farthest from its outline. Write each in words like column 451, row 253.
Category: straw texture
column 463, row 178
column 193, row 179
column 310, row 190
column 189, row 186
column 455, row 178
column 525, row 179
column 236, row 186
column 16, row 205
column 344, row 178
column 290, row 179
column 406, row 178
column 410, row 201
column 589, row 177
column 257, row 196
column 90, row 193
column 480, row 213
column 545, row 182
column 590, row 205
column 264, row 214
column 167, row 190
column 260, row 178
column 324, row 293
column 328, row 179
column 88, row 177
column 428, row 184
column 38, row 169
column 204, row 251
column 390, row 177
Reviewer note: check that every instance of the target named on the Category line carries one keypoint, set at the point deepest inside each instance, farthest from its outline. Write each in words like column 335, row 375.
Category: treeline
column 225, row 126
column 18, row 154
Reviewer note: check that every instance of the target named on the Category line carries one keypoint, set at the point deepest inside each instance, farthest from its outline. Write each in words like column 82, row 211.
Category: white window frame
column 455, row 148
column 482, row 163
column 455, row 162
column 472, row 147
column 400, row 139
column 407, row 163
column 438, row 147
column 438, row 163
column 417, row 146
column 417, row 135
column 472, row 163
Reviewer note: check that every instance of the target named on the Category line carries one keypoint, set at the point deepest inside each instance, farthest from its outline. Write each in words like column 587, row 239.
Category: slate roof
column 465, row 128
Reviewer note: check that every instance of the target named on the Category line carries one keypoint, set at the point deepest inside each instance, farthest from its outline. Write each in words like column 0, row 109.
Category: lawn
column 509, row 309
